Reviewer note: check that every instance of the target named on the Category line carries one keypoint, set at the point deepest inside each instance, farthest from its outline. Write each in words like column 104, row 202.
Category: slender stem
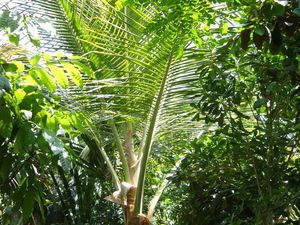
column 130, row 153
column 121, row 151
column 93, row 142
column 64, row 207
column 257, row 181
column 155, row 199
column 109, row 164
column 149, row 140
column 160, row 190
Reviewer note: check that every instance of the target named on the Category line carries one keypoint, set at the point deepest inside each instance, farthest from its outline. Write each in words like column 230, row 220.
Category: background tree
column 248, row 165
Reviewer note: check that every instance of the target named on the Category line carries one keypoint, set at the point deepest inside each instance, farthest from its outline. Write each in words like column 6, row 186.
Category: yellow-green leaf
column 225, row 28
column 20, row 94
column 34, row 60
column 74, row 73
column 63, row 120
column 77, row 123
column 20, row 66
column 45, row 79
column 31, row 79
column 47, row 57
column 84, row 68
column 59, row 75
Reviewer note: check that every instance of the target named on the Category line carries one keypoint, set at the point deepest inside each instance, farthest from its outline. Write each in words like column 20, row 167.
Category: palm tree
column 151, row 93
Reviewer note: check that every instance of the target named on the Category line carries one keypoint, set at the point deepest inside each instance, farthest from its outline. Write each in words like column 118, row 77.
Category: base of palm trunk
column 138, row 220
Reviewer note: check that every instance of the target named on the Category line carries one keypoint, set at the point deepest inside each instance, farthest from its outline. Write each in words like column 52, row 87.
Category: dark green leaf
column 7, row 20
column 258, row 103
column 297, row 11
column 5, row 83
column 259, row 29
column 277, row 10
column 10, row 67
column 24, row 138
column 5, row 121
column 28, row 204
column 6, row 164
column 14, row 38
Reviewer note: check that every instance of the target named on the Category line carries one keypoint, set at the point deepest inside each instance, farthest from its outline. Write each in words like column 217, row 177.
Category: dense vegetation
column 150, row 112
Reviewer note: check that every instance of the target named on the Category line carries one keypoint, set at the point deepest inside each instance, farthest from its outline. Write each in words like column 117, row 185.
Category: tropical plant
column 147, row 69
column 36, row 131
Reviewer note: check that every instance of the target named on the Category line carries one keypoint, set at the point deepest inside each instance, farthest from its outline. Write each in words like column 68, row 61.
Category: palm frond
column 117, row 45
column 155, row 87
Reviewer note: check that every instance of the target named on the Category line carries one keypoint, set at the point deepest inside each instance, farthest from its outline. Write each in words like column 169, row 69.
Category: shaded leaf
column 4, row 83
column 5, row 122
column 258, row 103
column 277, row 10
column 6, row 164
column 297, row 11
column 10, row 67
column 245, row 38
column 28, row 204
column 24, row 138
column 259, row 29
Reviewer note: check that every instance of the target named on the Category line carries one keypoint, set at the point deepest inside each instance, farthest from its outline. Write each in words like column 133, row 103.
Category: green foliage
column 165, row 67
column 35, row 133
column 244, row 171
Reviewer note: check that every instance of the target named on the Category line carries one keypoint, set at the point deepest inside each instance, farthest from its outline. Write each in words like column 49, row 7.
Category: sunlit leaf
column 56, row 145
column 44, row 78
column 14, row 38
column 74, row 73
column 59, row 75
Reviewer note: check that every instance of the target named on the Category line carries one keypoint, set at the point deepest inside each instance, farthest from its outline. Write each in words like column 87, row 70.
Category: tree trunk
column 131, row 217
